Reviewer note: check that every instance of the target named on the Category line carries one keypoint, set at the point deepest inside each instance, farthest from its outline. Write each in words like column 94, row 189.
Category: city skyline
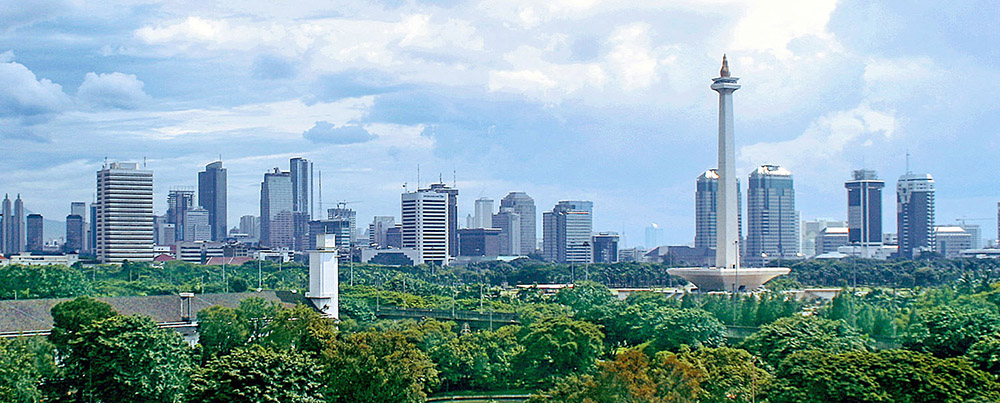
column 824, row 99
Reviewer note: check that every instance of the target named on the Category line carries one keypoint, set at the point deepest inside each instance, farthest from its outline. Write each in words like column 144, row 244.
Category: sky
column 597, row 100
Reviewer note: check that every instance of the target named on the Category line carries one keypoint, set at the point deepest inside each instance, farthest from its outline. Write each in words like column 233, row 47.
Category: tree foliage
column 257, row 375
column 24, row 364
column 774, row 342
column 948, row 332
column 558, row 346
column 376, row 367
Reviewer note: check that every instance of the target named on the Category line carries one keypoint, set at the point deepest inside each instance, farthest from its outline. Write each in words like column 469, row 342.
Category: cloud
column 325, row 132
column 267, row 67
column 112, row 90
column 23, row 94
column 19, row 13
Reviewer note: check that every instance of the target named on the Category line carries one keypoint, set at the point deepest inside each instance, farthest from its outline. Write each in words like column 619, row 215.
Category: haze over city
column 593, row 100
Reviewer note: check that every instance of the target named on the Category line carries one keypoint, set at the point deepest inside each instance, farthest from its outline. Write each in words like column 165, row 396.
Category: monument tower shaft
column 727, row 246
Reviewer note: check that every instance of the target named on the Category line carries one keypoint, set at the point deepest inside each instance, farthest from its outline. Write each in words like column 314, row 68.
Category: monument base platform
column 716, row 279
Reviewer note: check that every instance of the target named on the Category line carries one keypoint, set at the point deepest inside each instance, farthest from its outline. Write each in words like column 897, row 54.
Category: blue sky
column 566, row 99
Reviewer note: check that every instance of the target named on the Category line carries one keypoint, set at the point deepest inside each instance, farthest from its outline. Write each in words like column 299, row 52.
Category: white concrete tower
column 324, row 284
column 726, row 247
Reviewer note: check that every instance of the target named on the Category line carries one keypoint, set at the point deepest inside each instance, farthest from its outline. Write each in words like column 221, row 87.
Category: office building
column 276, row 198
column 197, row 225
column 164, row 233
column 425, row 216
column 124, row 213
column 975, row 232
column 394, row 236
column 567, row 232
column 915, row 214
column 179, row 201
column 378, row 229
column 479, row 242
column 339, row 227
column 80, row 209
column 950, row 241
column 509, row 224
column 250, row 225
column 75, row 234
column 92, row 231
column 605, row 247
column 345, row 214
column 706, row 201
column 212, row 197
column 452, row 214
column 654, row 236
column 13, row 234
column 35, row 233
column 811, row 229
column 773, row 223
column 864, row 208
column 524, row 206
column 830, row 239
column 301, row 175
column 484, row 213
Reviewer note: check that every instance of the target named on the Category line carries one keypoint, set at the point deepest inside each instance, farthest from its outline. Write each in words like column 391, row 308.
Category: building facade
column 772, row 222
column 864, row 208
column 179, row 201
column 479, row 242
column 950, row 241
column 35, row 233
column 275, row 198
column 830, row 239
column 509, row 224
column 425, row 218
column 75, row 230
column 13, row 234
column 197, row 225
column 524, row 206
column 605, row 247
column 567, row 232
column 484, row 213
column 452, row 214
column 348, row 215
column 378, row 229
column 301, row 176
column 706, row 201
column 915, row 214
column 124, row 224
column 212, row 197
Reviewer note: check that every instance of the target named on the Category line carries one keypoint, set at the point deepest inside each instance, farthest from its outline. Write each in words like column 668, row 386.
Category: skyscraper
column 124, row 213
column 80, row 209
column 654, row 235
column 378, row 228
column 75, row 229
column 197, row 225
column 276, row 197
column 425, row 216
column 484, row 213
column 179, row 201
column 509, row 224
column 706, row 200
column 302, row 185
column 864, row 208
column 452, row 214
column 250, row 225
column 5, row 226
column 212, row 197
column 773, row 226
column 13, row 226
column 915, row 214
column 35, row 233
column 605, row 247
column 524, row 206
column 345, row 214
column 567, row 232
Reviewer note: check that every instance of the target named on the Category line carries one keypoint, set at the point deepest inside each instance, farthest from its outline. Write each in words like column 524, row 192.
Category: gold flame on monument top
column 725, row 67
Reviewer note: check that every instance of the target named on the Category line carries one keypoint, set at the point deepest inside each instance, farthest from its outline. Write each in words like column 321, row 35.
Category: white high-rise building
column 484, row 213
column 915, row 214
column 197, row 225
column 567, row 231
column 124, row 221
column 425, row 225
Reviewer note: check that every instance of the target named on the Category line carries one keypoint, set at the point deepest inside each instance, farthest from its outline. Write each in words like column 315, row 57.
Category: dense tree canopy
column 258, row 375
column 772, row 343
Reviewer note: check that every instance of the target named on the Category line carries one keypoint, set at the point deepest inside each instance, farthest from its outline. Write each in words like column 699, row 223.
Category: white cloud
column 23, row 94
column 632, row 57
column 325, row 132
column 112, row 90
column 824, row 146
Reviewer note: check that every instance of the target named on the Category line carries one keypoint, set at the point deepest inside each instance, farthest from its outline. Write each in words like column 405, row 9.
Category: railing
column 461, row 316
column 475, row 399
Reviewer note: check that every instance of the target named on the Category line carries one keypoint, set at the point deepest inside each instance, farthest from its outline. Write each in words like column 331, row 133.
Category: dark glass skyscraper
column 276, row 198
column 864, row 208
column 36, row 233
column 302, row 185
column 915, row 214
column 75, row 228
column 706, row 198
column 212, row 197
column 773, row 223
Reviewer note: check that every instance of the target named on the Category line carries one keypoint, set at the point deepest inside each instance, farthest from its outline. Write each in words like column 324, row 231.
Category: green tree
column 300, row 328
column 69, row 318
column 376, row 367
column 731, row 375
column 887, row 376
column 220, row 330
column 55, row 281
column 949, row 332
column 479, row 360
column 558, row 346
column 591, row 300
column 25, row 362
column 692, row 327
column 258, row 374
column 985, row 354
column 127, row 358
column 257, row 313
column 785, row 336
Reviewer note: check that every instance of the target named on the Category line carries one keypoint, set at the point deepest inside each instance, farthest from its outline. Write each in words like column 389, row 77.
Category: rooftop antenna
column 220, row 157
column 320, row 191
column 105, row 161
column 908, row 162
column 418, row 176
column 454, row 178
column 143, row 162
column 439, row 178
